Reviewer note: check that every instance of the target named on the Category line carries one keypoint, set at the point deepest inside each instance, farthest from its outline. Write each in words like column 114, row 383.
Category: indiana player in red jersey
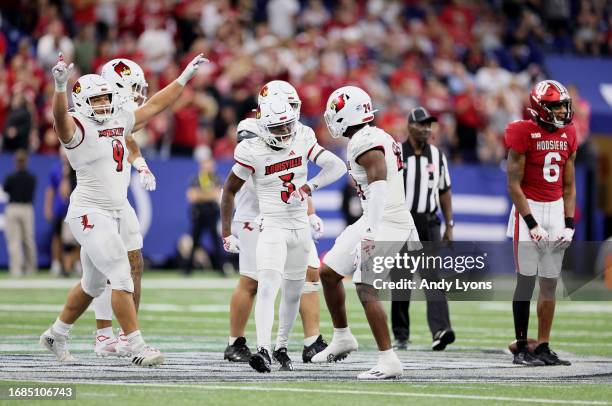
column 541, row 184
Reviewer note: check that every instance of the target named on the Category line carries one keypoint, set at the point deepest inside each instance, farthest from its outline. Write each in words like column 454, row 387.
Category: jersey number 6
column 118, row 153
column 551, row 169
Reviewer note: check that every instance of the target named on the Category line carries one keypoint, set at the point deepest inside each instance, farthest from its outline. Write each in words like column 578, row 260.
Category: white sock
column 136, row 341
column 231, row 340
column 308, row 341
column 265, row 347
column 61, row 327
column 102, row 306
column 106, row 331
column 267, row 289
column 289, row 308
column 340, row 332
column 387, row 355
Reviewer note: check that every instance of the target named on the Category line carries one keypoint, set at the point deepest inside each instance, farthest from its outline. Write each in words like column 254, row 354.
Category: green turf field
column 189, row 318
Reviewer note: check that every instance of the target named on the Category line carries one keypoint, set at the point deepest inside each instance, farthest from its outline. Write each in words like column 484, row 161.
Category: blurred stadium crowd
column 469, row 62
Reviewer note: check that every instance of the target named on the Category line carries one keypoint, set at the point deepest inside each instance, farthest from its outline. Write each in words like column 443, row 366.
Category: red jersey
column 545, row 157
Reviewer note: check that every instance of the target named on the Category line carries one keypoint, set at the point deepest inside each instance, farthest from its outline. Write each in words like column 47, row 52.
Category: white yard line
column 361, row 393
column 153, row 283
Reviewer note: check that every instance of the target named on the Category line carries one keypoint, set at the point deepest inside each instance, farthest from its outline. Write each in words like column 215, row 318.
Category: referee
column 427, row 188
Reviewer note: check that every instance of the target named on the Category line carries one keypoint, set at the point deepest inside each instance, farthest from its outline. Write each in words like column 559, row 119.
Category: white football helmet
column 347, row 106
column 129, row 81
column 282, row 89
column 246, row 129
column 277, row 121
column 88, row 87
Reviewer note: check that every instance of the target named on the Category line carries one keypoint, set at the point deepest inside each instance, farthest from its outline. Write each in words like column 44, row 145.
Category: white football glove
column 231, row 244
column 564, row 239
column 297, row 197
column 316, row 226
column 147, row 179
column 539, row 236
column 61, row 72
column 191, row 69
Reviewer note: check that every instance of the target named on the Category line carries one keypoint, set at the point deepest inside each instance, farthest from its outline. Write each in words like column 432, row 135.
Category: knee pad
column 122, row 281
column 269, row 283
column 311, row 287
column 93, row 287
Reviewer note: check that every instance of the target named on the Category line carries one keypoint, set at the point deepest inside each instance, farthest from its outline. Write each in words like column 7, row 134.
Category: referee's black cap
column 420, row 115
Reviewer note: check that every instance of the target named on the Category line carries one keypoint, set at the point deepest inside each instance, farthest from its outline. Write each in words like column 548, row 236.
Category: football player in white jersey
column 277, row 162
column 94, row 139
column 128, row 79
column 245, row 226
column 375, row 163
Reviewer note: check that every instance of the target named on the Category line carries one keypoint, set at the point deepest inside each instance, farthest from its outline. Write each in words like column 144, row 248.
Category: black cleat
column 260, row 361
column 443, row 338
column 548, row 357
column 283, row 359
column 400, row 344
column 319, row 345
column 238, row 352
column 525, row 358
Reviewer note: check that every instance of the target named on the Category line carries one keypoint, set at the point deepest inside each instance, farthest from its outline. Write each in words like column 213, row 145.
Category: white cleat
column 58, row 345
column 149, row 356
column 106, row 346
column 337, row 350
column 385, row 369
column 122, row 347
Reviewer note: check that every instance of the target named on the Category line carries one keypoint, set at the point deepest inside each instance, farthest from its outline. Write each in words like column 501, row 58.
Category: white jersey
column 100, row 161
column 247, row 206
column 369, row 138
column 276, row 174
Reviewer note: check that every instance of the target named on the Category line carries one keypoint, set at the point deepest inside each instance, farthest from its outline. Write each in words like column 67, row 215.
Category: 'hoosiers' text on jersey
column 545, row 157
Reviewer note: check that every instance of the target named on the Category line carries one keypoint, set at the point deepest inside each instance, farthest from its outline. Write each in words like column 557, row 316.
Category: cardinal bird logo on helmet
column 264, row 91
column 122, row 69
column 76, row 88
column 337, row 104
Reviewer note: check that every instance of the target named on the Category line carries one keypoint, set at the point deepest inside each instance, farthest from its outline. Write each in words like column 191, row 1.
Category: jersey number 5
column 551, row 169
column 118, row 153
column 287, row 178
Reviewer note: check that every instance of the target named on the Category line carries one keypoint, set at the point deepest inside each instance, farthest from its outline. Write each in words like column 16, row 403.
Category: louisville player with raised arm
column 375, row 163
column 94, row 139
column 246, row 229
column 276, row 161
column 128, row 79
column 541, row 154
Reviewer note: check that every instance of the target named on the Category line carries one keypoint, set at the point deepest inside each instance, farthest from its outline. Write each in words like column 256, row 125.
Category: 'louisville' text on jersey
column 111, row 132
column 284, row 165
column 551, row 145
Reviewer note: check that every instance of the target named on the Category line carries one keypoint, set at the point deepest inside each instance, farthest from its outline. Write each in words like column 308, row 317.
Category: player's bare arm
column 133, row 148
column 63, row 123
column 569, row 187
column 446, row 204
column 516, row 169
column 231, row 186
column 374, row 163
column 165, row 97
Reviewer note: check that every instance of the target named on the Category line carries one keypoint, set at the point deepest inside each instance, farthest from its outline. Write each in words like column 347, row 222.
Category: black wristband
column 531, row 223
column 569, row 222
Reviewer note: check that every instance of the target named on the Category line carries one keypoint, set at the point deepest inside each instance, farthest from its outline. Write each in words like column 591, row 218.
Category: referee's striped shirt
column 426, row 177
